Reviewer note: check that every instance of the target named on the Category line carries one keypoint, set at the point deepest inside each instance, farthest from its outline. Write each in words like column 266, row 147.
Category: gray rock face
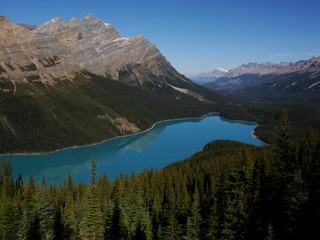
column 52, row 25
column 271, row 68
column 256, row 74
column 97, row 47
column 26, row 56
column 59, row 49
column 28, row 26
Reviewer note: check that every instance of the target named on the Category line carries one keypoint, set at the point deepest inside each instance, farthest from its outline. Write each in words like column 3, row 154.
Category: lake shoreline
column 256, row 137
column 110, row 139
column 252, row 132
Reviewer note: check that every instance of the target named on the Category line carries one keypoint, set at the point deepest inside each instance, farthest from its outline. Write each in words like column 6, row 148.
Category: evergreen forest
column 229, row 190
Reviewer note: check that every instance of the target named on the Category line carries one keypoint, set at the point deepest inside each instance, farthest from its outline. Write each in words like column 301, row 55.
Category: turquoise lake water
column 167, row 142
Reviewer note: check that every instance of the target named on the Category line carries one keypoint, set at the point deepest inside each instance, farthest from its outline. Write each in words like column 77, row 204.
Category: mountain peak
column 52, row 25
column 91, row 17
column 94, row 24
column 73, row 19
column 291, row 77
column 11, row 33
column 56, row 19
column 4, row 19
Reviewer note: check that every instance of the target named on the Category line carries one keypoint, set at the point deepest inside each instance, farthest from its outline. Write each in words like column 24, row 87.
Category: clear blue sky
column 197, row 35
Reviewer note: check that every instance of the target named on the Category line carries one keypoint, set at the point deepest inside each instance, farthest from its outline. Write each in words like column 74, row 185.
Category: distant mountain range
column 206, row 77
column 77, row 82
column 299, row 80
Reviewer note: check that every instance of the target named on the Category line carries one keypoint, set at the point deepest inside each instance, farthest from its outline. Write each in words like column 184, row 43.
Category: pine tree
column 91, row 226
column 270, row 232
column 217, row 213
column 116, row 197
column 46, row 213
column 288, row 193
column 172, row 229
column 69, row 214
column 29, row 226
column 107, row 206
column 29, row 223
column 194, row 220
column 312, row 214
column 295, row 197
column 9, row 220
column 134, row 217
column 283, row 148
column 70, row 220
column 310, row 174
column 239, row 195
column 183, row 200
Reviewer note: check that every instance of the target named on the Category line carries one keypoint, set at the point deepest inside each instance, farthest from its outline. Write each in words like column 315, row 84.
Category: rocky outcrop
column 97, row 47
column 122, row 124
column 28, row 26
column 26, row 56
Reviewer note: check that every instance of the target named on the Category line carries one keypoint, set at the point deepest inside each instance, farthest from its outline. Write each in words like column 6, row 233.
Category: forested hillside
column 67, row 84
column 229, row 190
column 42, row 118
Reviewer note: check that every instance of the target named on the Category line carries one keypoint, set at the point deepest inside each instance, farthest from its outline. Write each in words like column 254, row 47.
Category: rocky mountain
column 284, row 81
column 28, row 26
column 256, row 74
column 26, row 56
column 77, row 82
column 98, row 48
column 60, row 49
column 206, row 77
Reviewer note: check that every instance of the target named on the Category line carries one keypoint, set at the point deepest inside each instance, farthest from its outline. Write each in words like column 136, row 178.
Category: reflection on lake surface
column 166, row 143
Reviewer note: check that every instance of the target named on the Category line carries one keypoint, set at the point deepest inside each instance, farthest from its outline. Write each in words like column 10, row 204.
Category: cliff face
column 59, row 50
column 26, row 56
column 98, row 48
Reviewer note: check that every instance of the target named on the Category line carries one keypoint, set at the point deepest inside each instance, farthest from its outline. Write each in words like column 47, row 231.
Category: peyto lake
column 165, row 143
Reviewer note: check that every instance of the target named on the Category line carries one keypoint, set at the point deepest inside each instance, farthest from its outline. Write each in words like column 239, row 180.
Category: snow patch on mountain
column 222, row 69
column 205, row 77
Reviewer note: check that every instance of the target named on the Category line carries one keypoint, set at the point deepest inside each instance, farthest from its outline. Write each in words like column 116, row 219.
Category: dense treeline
column 43, row 118
column 303, row 116
column 229, row 190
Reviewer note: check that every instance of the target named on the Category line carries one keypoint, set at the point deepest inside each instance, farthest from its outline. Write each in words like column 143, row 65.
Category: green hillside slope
column 38, row 117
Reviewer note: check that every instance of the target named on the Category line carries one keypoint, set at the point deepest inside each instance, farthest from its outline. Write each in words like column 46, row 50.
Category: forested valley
column 229, row 190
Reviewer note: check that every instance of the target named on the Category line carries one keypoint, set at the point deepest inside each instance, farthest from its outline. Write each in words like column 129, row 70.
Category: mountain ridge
column 98, row 48
column 232, row 79
column 26, row 56
column 92, row 45
column 284, row 81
